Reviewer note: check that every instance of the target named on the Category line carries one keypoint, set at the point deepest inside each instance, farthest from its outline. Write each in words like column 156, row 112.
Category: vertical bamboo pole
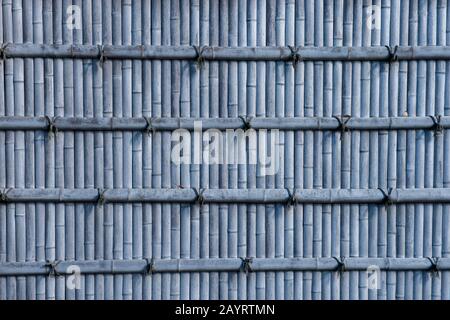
column 350, row 149
column 327, row 110
column 214, row 168
column 430, row 139
column 308, row 151
column 365, row 147
column 89, row 174
column 232, row 168
column 376, row 159
column 99, row 220
column 156, row 146
column 175, row 169
column 244, row 179
column 299, row 103
column 392, row 37
column 342, row 33
column 280, row 87
column 147, row 228
column 400, row 171
column 204, row 173
column 19, row 147
column 69, row 141
column 3, row 221
column 412, row 86
column 58, row 140
column 260, row 180
column 29, row 167
column 136, row 179
column 318, row 147
column 165, row 147
column 223, row 168
column 445, row 288
column 438, row 171
column 271, row 290
column 128, row 142
column 386, row 154
column 420, row 150
column 249, row 108
column 194, row 34
column 289, row 151
column 9, row 146
column 393, row 100
column 108, row 220
column 47, row 152
column 40, row 95
column 79, row 154
column 185, row 227
column 118, row 144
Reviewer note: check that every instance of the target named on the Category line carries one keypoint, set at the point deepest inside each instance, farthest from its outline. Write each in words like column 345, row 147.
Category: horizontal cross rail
column 319, row 196
column 209, row 53
column 223, row 264
column 167, row 124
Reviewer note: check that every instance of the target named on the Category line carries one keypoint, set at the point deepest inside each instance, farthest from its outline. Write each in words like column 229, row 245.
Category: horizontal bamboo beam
column 167, row 124
column 223, row 264
column 319, row 196
column 374, row 53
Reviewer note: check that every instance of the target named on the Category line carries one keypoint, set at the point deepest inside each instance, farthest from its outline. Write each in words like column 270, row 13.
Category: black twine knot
column 246, row 265
column 3, row 47
column 392, row 51
column 51, row 265
column 101, row 54
column 51, row 126
column 295, row 56
column 437, row 126
column 387, row 200
column 246, row 122
column 434, row 268
column 150, row 266
column 292, row 200
column 340, row 264
column 199, row 198
column 4, row 195
column 200, row 59
column 101, row 196
column 149, row 128
column 343, row 121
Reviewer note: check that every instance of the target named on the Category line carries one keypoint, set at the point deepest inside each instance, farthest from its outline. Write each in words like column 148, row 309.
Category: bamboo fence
column 92, row 93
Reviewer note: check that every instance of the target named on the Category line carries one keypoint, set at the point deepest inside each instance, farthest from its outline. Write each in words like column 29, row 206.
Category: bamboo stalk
column 214, row 168
column 137, row 149
column 107, row 110
column 121, row 266
column 156, row 147
column 97, row 91
column 224, row 53
column 3, row 208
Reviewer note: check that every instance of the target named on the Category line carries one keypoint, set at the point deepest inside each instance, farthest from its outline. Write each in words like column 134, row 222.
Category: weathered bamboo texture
column 355, row 94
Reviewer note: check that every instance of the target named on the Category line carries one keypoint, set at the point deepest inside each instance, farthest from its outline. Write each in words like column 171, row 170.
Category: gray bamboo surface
column 86, row 121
